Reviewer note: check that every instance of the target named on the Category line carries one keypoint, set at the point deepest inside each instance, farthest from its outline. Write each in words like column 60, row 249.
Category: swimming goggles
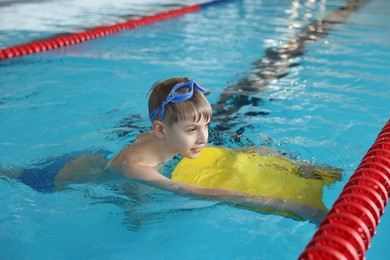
column 177, row 97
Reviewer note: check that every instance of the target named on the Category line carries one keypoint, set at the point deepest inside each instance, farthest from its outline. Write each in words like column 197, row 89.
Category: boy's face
column 187, row 137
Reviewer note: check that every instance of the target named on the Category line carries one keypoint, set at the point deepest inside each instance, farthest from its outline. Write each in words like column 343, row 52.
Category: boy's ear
column 158, row 128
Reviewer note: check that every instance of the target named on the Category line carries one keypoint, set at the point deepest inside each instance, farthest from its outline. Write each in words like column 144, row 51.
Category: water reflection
column 277, row 62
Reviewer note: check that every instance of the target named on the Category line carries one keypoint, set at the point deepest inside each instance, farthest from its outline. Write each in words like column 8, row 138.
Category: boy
column 180, row 115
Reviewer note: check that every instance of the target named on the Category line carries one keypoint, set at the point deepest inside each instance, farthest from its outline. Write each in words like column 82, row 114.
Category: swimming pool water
column 326, row 106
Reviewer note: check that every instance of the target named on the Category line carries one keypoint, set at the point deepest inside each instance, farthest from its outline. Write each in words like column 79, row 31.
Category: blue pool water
column 325, row 106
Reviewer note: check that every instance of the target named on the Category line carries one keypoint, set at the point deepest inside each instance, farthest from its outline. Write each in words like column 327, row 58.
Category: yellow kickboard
column 249, row 172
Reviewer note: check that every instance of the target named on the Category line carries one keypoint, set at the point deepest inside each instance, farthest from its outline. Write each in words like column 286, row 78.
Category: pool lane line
column 276, row 64
column 89, row 34
column 346, row 231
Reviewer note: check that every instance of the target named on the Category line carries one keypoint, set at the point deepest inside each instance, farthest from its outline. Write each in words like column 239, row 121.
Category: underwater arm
column 300, row 209
column 243, row 199
column 151, row 177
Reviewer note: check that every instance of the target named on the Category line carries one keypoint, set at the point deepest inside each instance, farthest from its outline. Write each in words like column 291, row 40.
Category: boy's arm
column 151, row 177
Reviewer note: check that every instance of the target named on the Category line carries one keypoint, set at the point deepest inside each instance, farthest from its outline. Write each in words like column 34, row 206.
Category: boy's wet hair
column 196, row 108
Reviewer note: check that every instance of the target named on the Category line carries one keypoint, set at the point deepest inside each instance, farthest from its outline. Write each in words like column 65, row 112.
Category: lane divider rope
column 346, row 231
column 79, row 37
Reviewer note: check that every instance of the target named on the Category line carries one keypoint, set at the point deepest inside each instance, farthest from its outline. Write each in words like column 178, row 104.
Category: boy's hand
column 315, row 216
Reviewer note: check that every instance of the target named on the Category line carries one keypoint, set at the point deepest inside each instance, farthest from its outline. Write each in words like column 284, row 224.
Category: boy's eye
column 195, row 128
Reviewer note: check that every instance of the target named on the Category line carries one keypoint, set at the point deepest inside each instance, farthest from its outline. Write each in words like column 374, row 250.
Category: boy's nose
column 203, row 136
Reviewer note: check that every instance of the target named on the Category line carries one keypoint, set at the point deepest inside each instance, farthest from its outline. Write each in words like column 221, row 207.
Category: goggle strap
column 176, row 97
column 154, row 114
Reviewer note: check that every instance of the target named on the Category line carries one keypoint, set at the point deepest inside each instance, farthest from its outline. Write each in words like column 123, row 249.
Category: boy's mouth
column 196, row 149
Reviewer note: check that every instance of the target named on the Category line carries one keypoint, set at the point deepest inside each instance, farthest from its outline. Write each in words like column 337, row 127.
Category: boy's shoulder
column 131, row 153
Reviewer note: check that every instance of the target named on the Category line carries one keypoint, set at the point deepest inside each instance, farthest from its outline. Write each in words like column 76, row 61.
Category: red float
column 356, row 213
column 75, row 38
